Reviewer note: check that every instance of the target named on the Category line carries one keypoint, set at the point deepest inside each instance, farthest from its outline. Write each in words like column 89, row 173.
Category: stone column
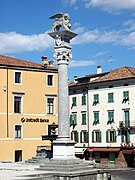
column 63, row 147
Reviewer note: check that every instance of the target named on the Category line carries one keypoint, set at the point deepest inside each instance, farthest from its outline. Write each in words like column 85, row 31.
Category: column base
column 63, row 149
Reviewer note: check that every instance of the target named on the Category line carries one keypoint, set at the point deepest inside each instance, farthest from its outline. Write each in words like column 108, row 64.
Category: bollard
column 99, row 176
column 109, row 176
column 105, row 176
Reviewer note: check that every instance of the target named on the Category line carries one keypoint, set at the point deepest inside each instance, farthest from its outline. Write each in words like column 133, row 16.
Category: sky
column 105, row 28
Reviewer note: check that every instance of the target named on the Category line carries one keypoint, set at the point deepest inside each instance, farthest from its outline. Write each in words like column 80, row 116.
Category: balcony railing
column 127, row 124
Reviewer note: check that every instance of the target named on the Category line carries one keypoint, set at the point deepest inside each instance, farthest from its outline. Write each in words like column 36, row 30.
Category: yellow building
column 28, row 105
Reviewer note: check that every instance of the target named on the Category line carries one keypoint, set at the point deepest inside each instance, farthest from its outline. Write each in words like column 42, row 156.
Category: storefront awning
column 127, row 151
column 79, row 150
column 103, row 149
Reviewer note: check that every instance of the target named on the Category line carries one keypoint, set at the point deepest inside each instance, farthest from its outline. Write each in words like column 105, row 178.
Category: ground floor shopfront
column 25, row 138
column 109, row 157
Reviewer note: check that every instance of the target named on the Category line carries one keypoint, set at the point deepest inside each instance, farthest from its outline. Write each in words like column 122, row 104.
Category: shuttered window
column 83, row 100
column 110, row 97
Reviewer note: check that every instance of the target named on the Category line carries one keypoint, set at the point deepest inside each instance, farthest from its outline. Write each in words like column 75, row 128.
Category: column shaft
column 63, row 124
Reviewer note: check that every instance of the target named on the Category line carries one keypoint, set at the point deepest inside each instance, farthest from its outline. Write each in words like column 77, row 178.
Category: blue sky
column 105, row 28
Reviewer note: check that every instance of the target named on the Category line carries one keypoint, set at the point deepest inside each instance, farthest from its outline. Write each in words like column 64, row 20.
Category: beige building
column 28, row 93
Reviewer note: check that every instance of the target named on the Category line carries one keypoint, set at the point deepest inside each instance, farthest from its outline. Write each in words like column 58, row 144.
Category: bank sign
column 34, row 120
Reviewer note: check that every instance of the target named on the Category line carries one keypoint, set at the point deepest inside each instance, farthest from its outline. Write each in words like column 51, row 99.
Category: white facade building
column 110, row 116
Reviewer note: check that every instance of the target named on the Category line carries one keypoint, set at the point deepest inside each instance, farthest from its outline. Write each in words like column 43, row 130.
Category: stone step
column 37, row 177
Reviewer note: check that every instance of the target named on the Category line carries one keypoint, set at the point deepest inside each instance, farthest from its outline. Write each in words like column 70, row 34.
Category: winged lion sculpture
column 63, row 20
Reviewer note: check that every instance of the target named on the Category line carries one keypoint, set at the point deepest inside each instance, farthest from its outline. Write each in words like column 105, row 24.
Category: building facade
column 110, row 117
column 28, row 106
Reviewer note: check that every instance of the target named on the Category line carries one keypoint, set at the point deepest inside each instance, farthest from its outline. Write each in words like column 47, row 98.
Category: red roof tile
column 117, row 74
column 10, row 61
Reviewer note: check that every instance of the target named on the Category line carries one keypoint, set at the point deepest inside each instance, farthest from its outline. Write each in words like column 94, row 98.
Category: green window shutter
column 110, row 97
column 87, row 137
column 126, row 95
column 75, row 119
column 74, row 101
column 77, row 140
column 71, row 122
column 107, row 137
column 92, row 136
column 83, row 100
column 96, row 98
column 83, row 118
column 96, row 117
column 115, row 137
column 71, row 135
column 128, row 136
column 100, row 136
column 81, row 137
column 110, row 116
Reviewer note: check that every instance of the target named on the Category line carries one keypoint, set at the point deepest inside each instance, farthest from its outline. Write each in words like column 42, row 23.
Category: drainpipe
column 7, row 106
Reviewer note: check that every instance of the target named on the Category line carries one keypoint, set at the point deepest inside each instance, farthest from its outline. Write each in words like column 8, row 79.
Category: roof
column 86, row 79
column 117, row 74
column 15, row 62
column 114, row 75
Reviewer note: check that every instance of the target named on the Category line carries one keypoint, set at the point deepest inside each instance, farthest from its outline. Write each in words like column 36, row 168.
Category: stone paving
column 15, row 171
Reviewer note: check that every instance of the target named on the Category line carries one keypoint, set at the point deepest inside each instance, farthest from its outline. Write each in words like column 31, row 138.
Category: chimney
column 75, row 78
column 99, row 69
column 51, row 63
column 44, row 60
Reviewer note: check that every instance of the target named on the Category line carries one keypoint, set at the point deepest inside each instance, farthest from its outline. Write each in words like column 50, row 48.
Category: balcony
column 127, row 125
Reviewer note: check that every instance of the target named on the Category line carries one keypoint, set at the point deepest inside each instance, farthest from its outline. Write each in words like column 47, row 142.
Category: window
column 83, row 118
column 18, row 155
column 17, row 103
column 18, row 77
column 83, row 100
column 50, row 80
column 50, row 105
column 111, row 136
column 125, row 96
column 74, row 136
column 96, row 118
column 74, row 101
column 18, row 129
column 83, row 137
column 110, row 117
column 96, row 99
column 96, row 136
column 110, row 97
column 126, row 118
column 73, row 119
column 112, row 157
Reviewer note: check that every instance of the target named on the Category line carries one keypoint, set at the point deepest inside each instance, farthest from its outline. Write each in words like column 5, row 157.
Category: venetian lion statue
column 63, row 20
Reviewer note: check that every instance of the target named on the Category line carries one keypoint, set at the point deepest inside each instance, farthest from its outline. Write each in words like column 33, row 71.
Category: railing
column 127, row 124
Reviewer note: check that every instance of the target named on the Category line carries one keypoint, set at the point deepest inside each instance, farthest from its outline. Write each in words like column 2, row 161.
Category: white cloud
column 86, row 37
column 130, row 25
column 112, row 6
column 12, row 42
column 114, row 37
column 101, row 53
column 81, row 63
column 129, row 40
